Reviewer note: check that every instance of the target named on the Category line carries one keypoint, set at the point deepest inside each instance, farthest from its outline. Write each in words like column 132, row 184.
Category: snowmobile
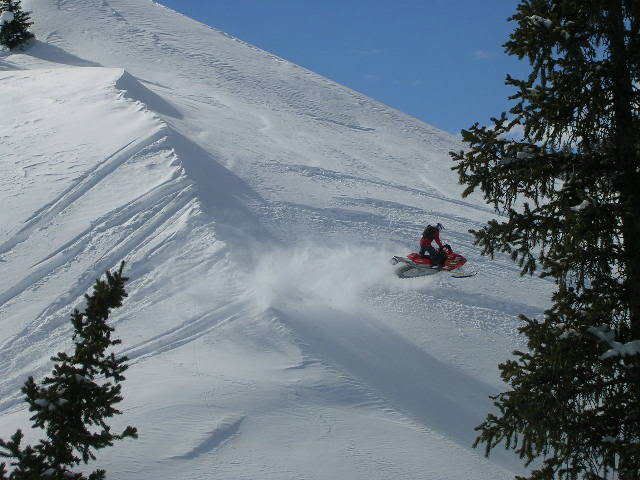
column 415, row 265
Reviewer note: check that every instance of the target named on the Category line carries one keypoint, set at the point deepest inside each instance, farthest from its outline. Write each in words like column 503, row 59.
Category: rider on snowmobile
column 430, row 234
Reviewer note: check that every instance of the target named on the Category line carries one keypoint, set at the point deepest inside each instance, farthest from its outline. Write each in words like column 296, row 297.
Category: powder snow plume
column 320, row 275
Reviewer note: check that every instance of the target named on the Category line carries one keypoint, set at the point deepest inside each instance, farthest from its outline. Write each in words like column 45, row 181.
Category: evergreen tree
column 15, row 31
column 73, row 403
column 568, row 189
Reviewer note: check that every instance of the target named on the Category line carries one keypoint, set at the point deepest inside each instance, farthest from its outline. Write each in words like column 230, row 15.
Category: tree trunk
column 625, row 149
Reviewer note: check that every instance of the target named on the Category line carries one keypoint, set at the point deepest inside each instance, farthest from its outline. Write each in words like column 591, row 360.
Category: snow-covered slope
column 256, row 204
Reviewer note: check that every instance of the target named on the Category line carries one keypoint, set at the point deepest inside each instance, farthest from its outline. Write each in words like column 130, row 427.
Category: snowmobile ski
column 464, row 273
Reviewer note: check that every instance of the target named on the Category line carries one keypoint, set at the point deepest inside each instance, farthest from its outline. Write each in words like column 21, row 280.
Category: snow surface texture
column 257, row 205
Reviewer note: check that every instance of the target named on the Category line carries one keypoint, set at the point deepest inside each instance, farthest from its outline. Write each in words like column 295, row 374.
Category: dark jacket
column 429, row 235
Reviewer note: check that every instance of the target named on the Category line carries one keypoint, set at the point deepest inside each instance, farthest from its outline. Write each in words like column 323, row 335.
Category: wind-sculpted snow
column 257, row 205
column 108, row 209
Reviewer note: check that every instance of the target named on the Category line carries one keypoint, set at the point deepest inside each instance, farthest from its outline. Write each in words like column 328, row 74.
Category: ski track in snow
column 256, row 205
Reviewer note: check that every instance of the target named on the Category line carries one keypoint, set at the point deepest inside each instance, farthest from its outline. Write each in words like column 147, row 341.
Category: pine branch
column 568, row 193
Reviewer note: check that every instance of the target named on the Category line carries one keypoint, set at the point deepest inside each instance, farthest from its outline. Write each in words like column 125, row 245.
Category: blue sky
column 439, row 60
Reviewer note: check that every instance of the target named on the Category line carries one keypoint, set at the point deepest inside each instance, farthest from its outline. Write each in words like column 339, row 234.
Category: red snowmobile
column 416, row 265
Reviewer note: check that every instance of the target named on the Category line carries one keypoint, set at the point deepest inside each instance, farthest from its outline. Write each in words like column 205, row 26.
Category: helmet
column 439, row 226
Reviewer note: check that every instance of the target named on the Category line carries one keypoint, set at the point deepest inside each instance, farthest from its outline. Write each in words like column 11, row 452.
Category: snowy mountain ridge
column 256, row 205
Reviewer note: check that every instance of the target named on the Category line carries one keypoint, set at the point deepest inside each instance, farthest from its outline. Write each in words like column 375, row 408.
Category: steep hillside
column 257, row 205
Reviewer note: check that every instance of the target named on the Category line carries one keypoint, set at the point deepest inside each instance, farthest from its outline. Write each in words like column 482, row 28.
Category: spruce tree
column 15, row 31
column 73, row 403
column 568, row 191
